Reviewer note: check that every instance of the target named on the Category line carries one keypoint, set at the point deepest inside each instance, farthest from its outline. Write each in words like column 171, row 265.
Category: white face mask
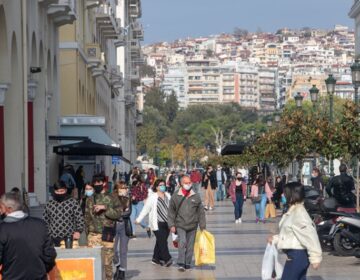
column 187, row 187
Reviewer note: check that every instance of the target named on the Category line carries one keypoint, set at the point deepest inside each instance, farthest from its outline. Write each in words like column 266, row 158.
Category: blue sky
column 166, row 20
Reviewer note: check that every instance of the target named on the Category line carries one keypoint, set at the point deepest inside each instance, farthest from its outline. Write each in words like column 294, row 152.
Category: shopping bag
column 175, row 240
column 270, row 211
column 204, row 248
column 271, row 263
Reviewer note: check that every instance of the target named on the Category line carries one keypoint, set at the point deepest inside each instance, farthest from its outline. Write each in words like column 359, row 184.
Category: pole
column 358, row 186
column 331, row 122
column 25, row 172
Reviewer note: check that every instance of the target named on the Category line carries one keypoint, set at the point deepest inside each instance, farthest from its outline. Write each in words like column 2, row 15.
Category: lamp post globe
column 269, row 123
column 330, row 84
column 277, row 117
column 314, row 94
column 298, row 99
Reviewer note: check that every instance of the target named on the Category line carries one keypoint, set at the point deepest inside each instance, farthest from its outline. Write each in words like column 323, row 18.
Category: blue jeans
column 238, row 205
column 135, row 212
column 296, row 266
column 260, row 207
column 120, row 246
column 220, row 191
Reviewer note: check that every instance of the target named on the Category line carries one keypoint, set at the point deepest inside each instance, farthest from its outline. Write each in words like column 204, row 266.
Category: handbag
column 128, row 227
column 108, row 234
column 256, row 199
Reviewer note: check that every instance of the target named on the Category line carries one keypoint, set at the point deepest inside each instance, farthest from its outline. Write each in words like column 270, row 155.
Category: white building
column 175, row 81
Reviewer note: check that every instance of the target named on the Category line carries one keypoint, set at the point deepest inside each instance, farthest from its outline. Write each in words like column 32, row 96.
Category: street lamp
column 187, row 150
column 330, row 86
column 277, row 117
column 355, row 72
column 298, row 99
column 269, row 123
column 314, row 95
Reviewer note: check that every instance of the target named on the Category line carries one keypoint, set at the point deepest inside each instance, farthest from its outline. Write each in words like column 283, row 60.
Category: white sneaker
column 236, row 221
column 239, row 221
column 210, row 208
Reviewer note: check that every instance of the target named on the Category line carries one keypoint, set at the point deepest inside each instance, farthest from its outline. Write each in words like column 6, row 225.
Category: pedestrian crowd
column 97, row 213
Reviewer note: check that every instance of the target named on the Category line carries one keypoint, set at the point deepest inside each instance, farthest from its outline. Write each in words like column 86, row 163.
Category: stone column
column 3, row 89
column 32, row 86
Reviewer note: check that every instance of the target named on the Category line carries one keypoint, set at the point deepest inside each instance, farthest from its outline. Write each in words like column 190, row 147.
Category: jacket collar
column 15, row 217
column 181, row 194
column 293, row 207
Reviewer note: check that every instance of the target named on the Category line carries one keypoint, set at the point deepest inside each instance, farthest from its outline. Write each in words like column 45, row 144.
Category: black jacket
column 26, row 250
column 212, row 178
column 341, row 188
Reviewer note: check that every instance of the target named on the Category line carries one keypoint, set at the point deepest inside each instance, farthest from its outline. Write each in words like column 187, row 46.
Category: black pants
column 161, row 250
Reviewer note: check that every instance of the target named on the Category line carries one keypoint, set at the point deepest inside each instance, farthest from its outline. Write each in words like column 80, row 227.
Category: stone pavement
column 239, row 252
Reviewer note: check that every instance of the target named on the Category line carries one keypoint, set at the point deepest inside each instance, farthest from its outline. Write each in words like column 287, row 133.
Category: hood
column 15, row 217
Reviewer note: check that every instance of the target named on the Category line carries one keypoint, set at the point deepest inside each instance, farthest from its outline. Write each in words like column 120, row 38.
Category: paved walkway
column 239, row 252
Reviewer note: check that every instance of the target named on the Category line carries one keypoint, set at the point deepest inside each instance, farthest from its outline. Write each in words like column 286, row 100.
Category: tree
column 240, row 32
column 146, row 70
column 171, row 107
column 155, row 98
column 209, row 53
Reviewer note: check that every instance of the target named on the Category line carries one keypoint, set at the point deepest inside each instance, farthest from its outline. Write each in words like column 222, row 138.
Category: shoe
column 239, row 221
column 236, row 221
column 263, row 221
column 257, row 220
column 187, row 266
column 205, row 207
column 168, row 263
column 133, row 237
column 148, row 231
column 156, row 262
column 210, row 208
column 119, row 275
column 181, row 267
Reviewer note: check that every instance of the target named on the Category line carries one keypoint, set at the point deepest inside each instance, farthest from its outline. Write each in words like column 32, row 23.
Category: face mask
column 187, row 187
column 60, row 197
column 89, row 193
column 162, row 188
column 238, row 178
column 3, row 216
column 98, row 188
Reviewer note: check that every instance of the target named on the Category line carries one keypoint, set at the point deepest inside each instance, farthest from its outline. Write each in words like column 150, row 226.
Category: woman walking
column 260, row 193
column 297, row 238
column 122, row 236
column 139, row 193
column 157, row 207
column 237, row 192
column 209, row 183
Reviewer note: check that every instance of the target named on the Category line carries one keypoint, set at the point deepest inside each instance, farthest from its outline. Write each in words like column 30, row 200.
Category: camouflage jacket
column 96, row 221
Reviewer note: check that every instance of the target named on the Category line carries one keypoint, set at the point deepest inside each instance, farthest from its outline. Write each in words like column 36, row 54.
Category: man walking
column 341, row 187
column 221, row 179
column 185, row 214
column 26, row 249
column 195, row 177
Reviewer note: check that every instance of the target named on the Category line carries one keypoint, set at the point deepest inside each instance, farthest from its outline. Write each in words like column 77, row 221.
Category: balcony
column 108, row 26
column 135, row 9
column 48, row 2
column 134, row 75
column 120, row 41
column 129, row 100
column 64, row 12
column 92, row 4
column 137, row 31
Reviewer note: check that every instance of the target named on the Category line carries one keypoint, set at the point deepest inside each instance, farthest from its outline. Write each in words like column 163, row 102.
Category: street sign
column 115, row 160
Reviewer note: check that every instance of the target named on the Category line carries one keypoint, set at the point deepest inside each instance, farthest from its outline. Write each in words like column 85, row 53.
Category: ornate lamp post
column 277, row 117
column 314, row 95
column 355, row 72
column 330, row 86
column 298, row 100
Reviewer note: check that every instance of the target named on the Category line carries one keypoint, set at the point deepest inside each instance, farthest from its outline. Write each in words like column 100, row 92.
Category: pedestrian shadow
column 132, row 274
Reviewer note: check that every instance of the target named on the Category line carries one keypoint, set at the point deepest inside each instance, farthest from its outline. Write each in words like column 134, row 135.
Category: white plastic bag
column 271, row 263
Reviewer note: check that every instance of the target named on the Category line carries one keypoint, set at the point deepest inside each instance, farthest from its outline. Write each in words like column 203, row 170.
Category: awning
column 95, row 133
column 233, row 149
column 88, row 148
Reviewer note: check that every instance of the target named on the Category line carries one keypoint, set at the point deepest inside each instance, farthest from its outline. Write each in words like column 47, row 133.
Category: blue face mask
column 162, row 188
column 89, row 193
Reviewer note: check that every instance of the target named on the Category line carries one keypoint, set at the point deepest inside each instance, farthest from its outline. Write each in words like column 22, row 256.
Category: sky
column 167, row 20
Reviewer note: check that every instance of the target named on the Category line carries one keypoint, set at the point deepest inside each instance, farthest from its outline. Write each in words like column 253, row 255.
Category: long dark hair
column 260, row 181
column 156, row 184
column 294, row 193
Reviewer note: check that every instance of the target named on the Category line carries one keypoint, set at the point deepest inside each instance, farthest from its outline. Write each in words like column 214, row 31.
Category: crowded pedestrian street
column 239, row 252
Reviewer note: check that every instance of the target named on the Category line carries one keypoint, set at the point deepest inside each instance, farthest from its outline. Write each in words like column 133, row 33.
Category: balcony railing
column 108, row 26
column 64, row 12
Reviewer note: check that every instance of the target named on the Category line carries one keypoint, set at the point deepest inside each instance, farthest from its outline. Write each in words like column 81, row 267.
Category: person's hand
column 270, row 239
column 133, row 198
column 98, row 208
column 173, row 229
column 76, row 235
column 315, row 266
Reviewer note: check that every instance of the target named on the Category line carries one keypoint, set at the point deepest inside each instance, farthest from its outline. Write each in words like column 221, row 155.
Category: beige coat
column 297, row 231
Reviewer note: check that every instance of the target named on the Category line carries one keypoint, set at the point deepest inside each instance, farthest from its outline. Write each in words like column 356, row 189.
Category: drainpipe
column 24, row 174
